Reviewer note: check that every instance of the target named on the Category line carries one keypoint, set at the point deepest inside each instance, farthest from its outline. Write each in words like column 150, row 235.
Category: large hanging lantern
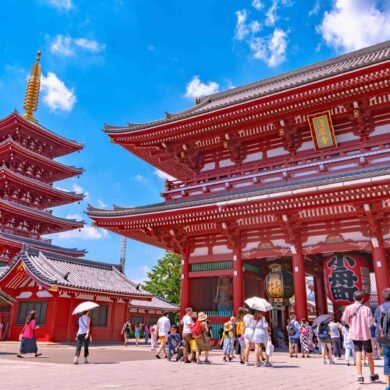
column 345, row 274
column 279, row 284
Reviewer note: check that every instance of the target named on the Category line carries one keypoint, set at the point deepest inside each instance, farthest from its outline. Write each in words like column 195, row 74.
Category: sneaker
column 324, row 361
column 20, row 356
column 242, row 362
column 207, row 361
column 199, row 362
column 158, row 357
column 247, row 363
column 86, row 361
column 38, row 354
column 331, row 361
column 374, row 378
column 259, row 364
column 360, row 379
column 268, row 364
column 76, row 360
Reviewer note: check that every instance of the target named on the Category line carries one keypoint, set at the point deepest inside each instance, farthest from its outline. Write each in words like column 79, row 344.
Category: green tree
column 164, row 278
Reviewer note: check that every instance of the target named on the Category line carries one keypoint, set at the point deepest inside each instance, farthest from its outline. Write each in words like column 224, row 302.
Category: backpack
column 291, row 329
column 383, row 328
column 323, row 332
column 196, row 330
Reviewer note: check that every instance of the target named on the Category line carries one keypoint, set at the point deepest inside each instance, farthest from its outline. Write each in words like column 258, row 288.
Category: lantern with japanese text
column 279, row 284
column 345, row 274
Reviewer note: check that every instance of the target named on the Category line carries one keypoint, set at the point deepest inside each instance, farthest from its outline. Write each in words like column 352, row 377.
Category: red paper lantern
column 345, row 274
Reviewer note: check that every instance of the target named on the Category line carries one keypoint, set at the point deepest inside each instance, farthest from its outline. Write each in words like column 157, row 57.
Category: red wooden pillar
column 112, row 321
column 185, row 282
column 53, row 317
column 238, row 276
column 320, row 294
column 381, row 266
column 299, row 276
column 71, row 319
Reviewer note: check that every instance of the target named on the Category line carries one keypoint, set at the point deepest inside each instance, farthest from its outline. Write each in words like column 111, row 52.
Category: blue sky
column 118, row 61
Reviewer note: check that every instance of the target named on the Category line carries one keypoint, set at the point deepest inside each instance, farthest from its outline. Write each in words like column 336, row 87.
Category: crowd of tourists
column 360, row 336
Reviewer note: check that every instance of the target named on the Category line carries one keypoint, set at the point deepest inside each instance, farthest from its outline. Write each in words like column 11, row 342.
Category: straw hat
column 202, row 317
column 227, row 326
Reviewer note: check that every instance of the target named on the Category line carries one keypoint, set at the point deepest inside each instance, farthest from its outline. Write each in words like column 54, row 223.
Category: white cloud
column 62, row 45
column 66, row 46
column 242, row 29
column 55, row 93
column 316, row 8
column 101, row 204
column 141, row 179
column 162, row 175
column 255, row 26
column 139, row 275
column 195, row 88
column 271, row 15
column 89, row 45
column 270, row 49
column 353, row 24
column 257, row 4
column 62, row 5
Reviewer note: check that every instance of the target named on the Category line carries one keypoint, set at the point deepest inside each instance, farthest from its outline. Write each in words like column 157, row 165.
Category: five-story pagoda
column 28, row 170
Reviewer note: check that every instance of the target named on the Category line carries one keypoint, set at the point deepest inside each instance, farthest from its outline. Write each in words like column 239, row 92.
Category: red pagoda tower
column 287, row 177
column 27, row 172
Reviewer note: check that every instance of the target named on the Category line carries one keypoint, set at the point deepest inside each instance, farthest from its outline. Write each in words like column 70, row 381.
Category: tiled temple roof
column 3, row 271
column 366, row 57
column 155, row 303
column 77, row 274
column 269, row 189
column 41, row 244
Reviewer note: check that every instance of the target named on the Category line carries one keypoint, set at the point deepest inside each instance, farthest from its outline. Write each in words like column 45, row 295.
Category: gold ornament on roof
column 32, row 91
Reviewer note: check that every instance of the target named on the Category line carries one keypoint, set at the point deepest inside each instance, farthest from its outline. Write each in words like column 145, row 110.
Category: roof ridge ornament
column 32, row 91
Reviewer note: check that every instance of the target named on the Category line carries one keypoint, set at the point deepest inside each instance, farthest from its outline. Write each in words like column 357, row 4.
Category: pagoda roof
column 328, row 69
column 17, row 208
column 68, row 171
column 66, row 272
column 265, row 192
column 157, row 303
column 68, row 145
column 34, row 183
column 40, row 244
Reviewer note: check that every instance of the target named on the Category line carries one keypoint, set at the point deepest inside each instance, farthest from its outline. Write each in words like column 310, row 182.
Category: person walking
column 126, row 331
column 240, row 332
column 83, row 337
column 261, row 337
column 323, row 335
column 227, row 341
column 348, row 344
column 305, row 337
column 359, row 318
column 187, row 323
column 163, row 327
column 382, row 319
column 293, row 335
column 153, row 337
column 335, row 338
column 137, row 333
column 199, row 333
column 146, row 333
column 249, row 334
column 28, row 342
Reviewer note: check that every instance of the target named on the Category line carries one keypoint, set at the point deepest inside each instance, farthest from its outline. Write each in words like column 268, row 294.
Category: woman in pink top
column 28, row 343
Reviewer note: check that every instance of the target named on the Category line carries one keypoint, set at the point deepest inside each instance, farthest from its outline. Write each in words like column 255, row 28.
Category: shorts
column 187, row 342
column 325, row 341
column 249, row 336
column 386, row 365
column 202, row 344
column 293, row 340
column 163, row 339
column 361, row 345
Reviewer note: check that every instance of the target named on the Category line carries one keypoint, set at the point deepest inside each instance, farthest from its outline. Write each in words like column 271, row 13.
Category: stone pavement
column 141, row 370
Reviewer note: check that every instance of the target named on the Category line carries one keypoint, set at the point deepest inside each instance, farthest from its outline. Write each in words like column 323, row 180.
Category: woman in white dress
column 261, row 337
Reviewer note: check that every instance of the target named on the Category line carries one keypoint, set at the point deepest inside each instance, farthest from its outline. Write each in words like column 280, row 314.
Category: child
column 174, row 341
column 228, row 341
column 348, row 344
column 153, row 337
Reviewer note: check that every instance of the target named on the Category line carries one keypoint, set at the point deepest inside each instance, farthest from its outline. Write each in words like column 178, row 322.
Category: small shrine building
column 288, row 176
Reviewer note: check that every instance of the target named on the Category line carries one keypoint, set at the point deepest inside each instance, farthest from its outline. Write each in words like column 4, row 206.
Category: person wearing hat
column 199, row 334
column 228, row 335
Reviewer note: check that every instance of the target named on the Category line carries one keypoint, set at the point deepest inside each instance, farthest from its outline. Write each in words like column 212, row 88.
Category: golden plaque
column 322, row 130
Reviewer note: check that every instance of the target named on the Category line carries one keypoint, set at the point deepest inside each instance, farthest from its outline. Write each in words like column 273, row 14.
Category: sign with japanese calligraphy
column 345, row 274
column 322, row 130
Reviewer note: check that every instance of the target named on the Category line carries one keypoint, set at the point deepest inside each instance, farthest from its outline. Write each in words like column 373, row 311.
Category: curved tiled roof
column 212, row 199
column 366, row 57
column 80, row 274
column 3, row 271
column 156, row 303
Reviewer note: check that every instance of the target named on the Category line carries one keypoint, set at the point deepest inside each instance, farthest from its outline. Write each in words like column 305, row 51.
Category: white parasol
column 84, row 306
column 259, row 304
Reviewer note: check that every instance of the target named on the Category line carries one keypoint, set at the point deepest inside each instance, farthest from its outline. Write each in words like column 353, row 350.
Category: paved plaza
column 119, row 367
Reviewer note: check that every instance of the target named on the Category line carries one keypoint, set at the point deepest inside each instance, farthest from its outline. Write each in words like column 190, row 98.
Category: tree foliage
column 164, row 278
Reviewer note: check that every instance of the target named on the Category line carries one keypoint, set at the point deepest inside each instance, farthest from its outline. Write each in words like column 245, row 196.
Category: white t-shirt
column 187, row 324
column 163, row 326
column 83, row 324
column 334, row 330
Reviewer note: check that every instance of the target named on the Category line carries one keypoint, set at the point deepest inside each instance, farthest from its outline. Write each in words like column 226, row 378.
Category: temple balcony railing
column 283, row 170
column 25, row 234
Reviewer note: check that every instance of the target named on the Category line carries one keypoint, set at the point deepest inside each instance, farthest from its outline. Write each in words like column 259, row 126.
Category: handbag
column 269, row 350
column 21, row 333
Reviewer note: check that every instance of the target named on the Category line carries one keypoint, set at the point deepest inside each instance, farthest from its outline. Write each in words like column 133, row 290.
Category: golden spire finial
column 32, row 91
